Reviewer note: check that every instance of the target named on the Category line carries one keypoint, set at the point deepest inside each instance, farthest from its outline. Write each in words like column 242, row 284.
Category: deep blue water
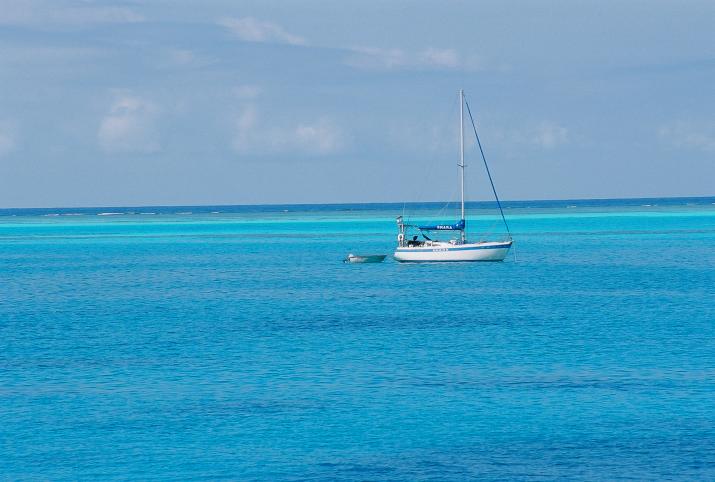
column 235, row 344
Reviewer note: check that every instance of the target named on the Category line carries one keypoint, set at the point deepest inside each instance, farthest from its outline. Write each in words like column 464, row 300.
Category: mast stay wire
column 486, row 166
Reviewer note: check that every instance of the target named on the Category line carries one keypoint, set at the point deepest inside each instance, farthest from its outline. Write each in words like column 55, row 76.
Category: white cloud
column 7, row 137
column 245, row 137
column 375, row 58
column 395, row 58
column 129, row 126
column 254, row 30
column 182, row 56
column 545, row 134
column 317, row 136
column 689, row 134
column 430, row 135
column 447, row 58
column 93, row 14
column 185, row 58
column 425, row 135
column 246, row 91
column 41, row 12
column 320, row 136
column 549, row 135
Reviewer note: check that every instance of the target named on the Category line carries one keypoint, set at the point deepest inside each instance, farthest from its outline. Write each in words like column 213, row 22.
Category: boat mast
column 461, row 148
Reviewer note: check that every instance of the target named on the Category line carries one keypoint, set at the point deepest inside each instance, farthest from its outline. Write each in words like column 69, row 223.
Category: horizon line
column 353, row 203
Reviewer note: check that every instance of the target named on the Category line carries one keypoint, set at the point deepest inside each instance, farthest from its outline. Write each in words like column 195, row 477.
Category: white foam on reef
column 72, row 214
column 147, row 213
column 215, row 212
column 51, row 214
column 184, row 212
column 109, row 214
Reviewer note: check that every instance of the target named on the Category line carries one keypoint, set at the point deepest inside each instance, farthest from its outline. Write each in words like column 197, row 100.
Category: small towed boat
column 367, row 258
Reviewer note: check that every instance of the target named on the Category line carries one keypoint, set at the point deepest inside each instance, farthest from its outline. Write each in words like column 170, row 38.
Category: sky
column 127, row 103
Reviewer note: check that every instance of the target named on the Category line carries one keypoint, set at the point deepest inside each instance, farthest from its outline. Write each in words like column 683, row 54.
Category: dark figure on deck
column 414, row 242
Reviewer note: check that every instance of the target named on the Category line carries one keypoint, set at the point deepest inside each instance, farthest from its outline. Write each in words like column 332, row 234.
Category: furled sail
column 444, row 227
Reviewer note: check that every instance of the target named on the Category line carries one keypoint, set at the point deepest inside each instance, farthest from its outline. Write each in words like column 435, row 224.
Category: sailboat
column 458, row 248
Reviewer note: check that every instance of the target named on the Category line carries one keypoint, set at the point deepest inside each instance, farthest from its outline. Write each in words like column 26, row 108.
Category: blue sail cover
column 444, row 227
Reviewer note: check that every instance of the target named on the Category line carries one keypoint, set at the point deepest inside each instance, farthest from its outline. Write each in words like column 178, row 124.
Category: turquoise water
column 235, row 344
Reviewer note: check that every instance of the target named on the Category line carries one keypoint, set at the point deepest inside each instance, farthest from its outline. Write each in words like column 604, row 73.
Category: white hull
column 429, row 250
column 440, row 252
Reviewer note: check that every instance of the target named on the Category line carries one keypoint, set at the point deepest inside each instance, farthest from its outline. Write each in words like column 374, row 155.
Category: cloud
column 245, row 136
column 7, row 137
column 129, row 126
column 424, row 135
column 545, row 135
column 182, row 56
column 437, row 137
column 40, row 12
column 319, row 136
column 689, row 134
column 246, row 91
column 92, row 14
column 549, row 135
column 447, row 58
column 374, row 58
column 185, row 59
column 431, row 58
column 254, row 30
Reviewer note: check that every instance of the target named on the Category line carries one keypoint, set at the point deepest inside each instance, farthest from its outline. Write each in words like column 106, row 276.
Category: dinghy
column 365, row 258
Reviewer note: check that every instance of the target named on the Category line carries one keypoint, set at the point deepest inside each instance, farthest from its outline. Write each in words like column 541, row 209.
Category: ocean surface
column 231, row 342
